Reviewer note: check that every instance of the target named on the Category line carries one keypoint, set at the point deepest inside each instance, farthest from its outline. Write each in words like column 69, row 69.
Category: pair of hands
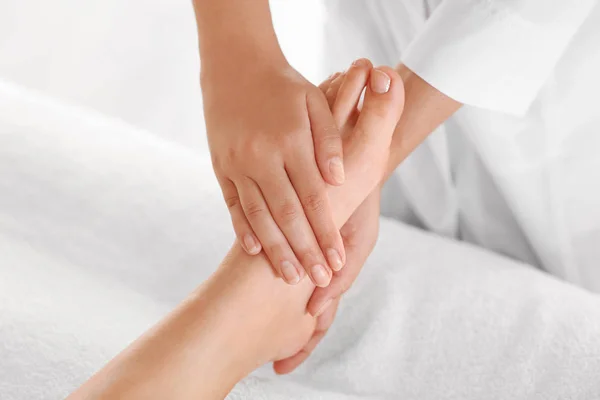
column 273, row 155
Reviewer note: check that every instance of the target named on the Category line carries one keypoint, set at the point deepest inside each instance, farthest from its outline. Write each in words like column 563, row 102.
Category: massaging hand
column 359, row 233
column 275, row 146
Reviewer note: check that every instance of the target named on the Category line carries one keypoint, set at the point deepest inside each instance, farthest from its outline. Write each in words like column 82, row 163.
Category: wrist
column 244, row 58
column 241, row 67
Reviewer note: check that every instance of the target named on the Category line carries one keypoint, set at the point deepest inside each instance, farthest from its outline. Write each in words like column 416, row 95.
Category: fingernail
column 334, row 259
column 323, row 308
column 319, row 275
column 336, row 167
column 361, row 62
column 380, row 81
column 290, row 274
column 251, row 245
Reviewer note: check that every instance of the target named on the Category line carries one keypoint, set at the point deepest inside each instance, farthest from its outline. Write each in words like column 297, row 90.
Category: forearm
column 233, row 33
column 425, row 109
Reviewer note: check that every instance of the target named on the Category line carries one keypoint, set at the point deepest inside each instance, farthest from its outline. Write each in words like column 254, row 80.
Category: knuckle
column 288, row 211
column 217, row 163
column 292, row 140
column 232, row 201
column 254, row 149
column 314, row 202
column 250, row 153
column 263, row 159
column 254, row 210
column 328, row 134
column 227, row 161
column 232, row 154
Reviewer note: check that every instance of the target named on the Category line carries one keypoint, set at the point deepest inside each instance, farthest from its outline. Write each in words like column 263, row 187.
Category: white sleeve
column 494, row 54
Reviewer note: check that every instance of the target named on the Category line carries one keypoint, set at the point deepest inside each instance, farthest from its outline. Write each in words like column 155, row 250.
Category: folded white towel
column 103, row 228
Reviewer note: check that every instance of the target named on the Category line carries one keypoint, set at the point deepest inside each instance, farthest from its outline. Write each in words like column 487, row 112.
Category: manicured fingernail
column 319, row 275
column 380, row 81
column 290, row 273
column 336, row 167
column 334, row 259
column 251, row 245
column 323, row 308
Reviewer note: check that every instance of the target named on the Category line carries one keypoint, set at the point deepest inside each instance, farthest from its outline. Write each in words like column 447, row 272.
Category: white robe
column 517, row 169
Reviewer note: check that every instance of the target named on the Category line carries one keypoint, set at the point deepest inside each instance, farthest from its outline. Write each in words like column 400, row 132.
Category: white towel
column 104, row 228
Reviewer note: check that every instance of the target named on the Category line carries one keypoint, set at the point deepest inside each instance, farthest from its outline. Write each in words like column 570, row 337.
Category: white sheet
column 104, row 227
column 136, row 60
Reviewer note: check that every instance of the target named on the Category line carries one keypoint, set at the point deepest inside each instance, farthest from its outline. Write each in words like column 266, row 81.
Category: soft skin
column 273, row 141
column 244, row 315
column 246, row 30
column 425, row 109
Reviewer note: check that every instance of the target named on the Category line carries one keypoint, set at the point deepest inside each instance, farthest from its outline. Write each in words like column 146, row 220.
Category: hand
column 274, row 146
column 359, row 235
column 289, row 336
